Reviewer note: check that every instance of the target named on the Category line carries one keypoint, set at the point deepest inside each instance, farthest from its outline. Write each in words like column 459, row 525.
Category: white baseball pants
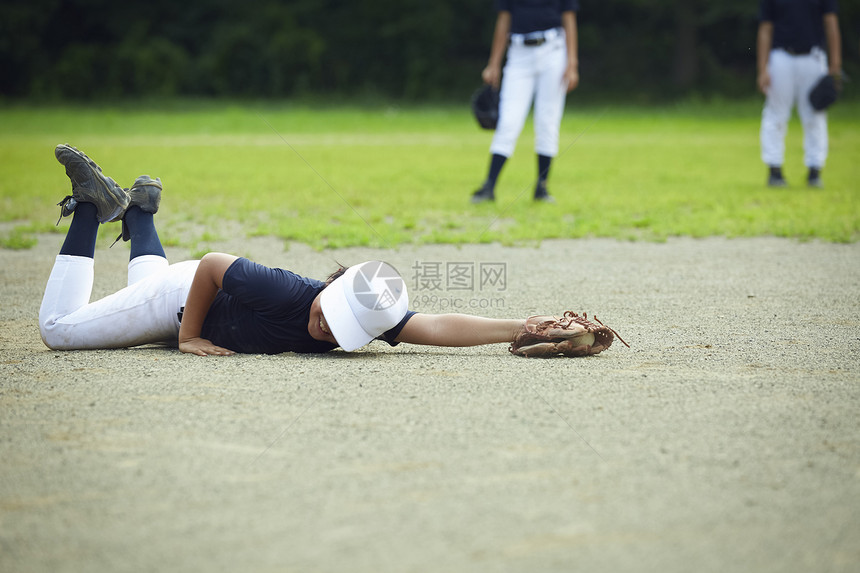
column 791, row 80
column 532, row 73
column 145, row 312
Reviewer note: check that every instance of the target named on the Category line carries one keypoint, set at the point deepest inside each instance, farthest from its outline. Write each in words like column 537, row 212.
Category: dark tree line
column 405, row 49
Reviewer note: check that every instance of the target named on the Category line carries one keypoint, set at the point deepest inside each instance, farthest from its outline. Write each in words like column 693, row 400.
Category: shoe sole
column 120, row 198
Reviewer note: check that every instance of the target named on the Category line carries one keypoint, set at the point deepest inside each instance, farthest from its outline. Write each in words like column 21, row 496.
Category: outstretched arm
column 459, row 330
column 207, row 281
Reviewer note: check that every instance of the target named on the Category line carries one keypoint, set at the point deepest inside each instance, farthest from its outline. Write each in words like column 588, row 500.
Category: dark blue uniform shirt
column 534, row 15
column 797, row 24
column 263, row 310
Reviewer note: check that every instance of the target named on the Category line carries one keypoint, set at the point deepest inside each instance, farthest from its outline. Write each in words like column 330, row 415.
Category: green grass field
column 339, row 176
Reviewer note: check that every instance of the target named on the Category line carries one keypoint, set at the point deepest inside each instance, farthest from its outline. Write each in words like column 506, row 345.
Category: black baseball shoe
column 485, row 193
column 814, row 178
column 90, row 185
column 145, row 193
column 775, row 178
column 541, row 194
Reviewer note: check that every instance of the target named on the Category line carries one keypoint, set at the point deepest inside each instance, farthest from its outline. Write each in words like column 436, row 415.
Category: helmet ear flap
column 485, row 106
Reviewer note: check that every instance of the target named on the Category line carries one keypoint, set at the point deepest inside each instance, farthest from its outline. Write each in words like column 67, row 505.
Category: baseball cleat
column 145, row 193
column 814, row 178
column 541, row 194
column 776, row 181
column 485, row 193
column 775, row 178
column 90, row 185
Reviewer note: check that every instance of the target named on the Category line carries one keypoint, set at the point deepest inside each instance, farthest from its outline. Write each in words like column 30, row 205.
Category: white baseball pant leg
column 145, row 312
column 550, row 96
column 532, row 74
column 792, row 78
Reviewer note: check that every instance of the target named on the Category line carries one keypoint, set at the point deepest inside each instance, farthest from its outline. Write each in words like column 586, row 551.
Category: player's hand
column 492, row 75
column 764, row 82
column 203, row 347
column 571, row 78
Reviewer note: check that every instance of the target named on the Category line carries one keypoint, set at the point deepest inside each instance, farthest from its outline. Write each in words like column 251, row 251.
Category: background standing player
column 792, row 37
column 540, row 38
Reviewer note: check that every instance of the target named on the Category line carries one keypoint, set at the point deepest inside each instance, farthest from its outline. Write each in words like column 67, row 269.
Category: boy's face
column 317, row 325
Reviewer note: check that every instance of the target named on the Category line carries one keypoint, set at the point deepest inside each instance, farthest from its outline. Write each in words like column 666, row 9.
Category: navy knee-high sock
column 83, row 232
column 142, row 234
column 544, row 163
column 496, row 163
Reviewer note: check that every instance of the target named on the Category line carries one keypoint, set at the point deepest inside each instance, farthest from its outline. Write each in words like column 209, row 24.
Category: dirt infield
column 727, row 438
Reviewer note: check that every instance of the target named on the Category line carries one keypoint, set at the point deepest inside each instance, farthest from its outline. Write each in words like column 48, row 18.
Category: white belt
column 536, row 38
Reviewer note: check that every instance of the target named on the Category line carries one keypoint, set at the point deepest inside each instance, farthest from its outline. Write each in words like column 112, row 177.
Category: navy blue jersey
column 263, row 310
column 534, row 15
column 797, row 24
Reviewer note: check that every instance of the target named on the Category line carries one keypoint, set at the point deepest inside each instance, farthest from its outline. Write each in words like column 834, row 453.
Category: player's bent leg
column 142, row 267
column 143, row 313
column 83, row 232
column 69, row 287
column 146, row 256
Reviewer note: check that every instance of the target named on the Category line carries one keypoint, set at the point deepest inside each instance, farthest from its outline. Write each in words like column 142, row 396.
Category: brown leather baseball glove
column 571, row 335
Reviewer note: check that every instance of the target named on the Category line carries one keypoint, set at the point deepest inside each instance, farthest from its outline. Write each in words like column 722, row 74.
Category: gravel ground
column 726, row 438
